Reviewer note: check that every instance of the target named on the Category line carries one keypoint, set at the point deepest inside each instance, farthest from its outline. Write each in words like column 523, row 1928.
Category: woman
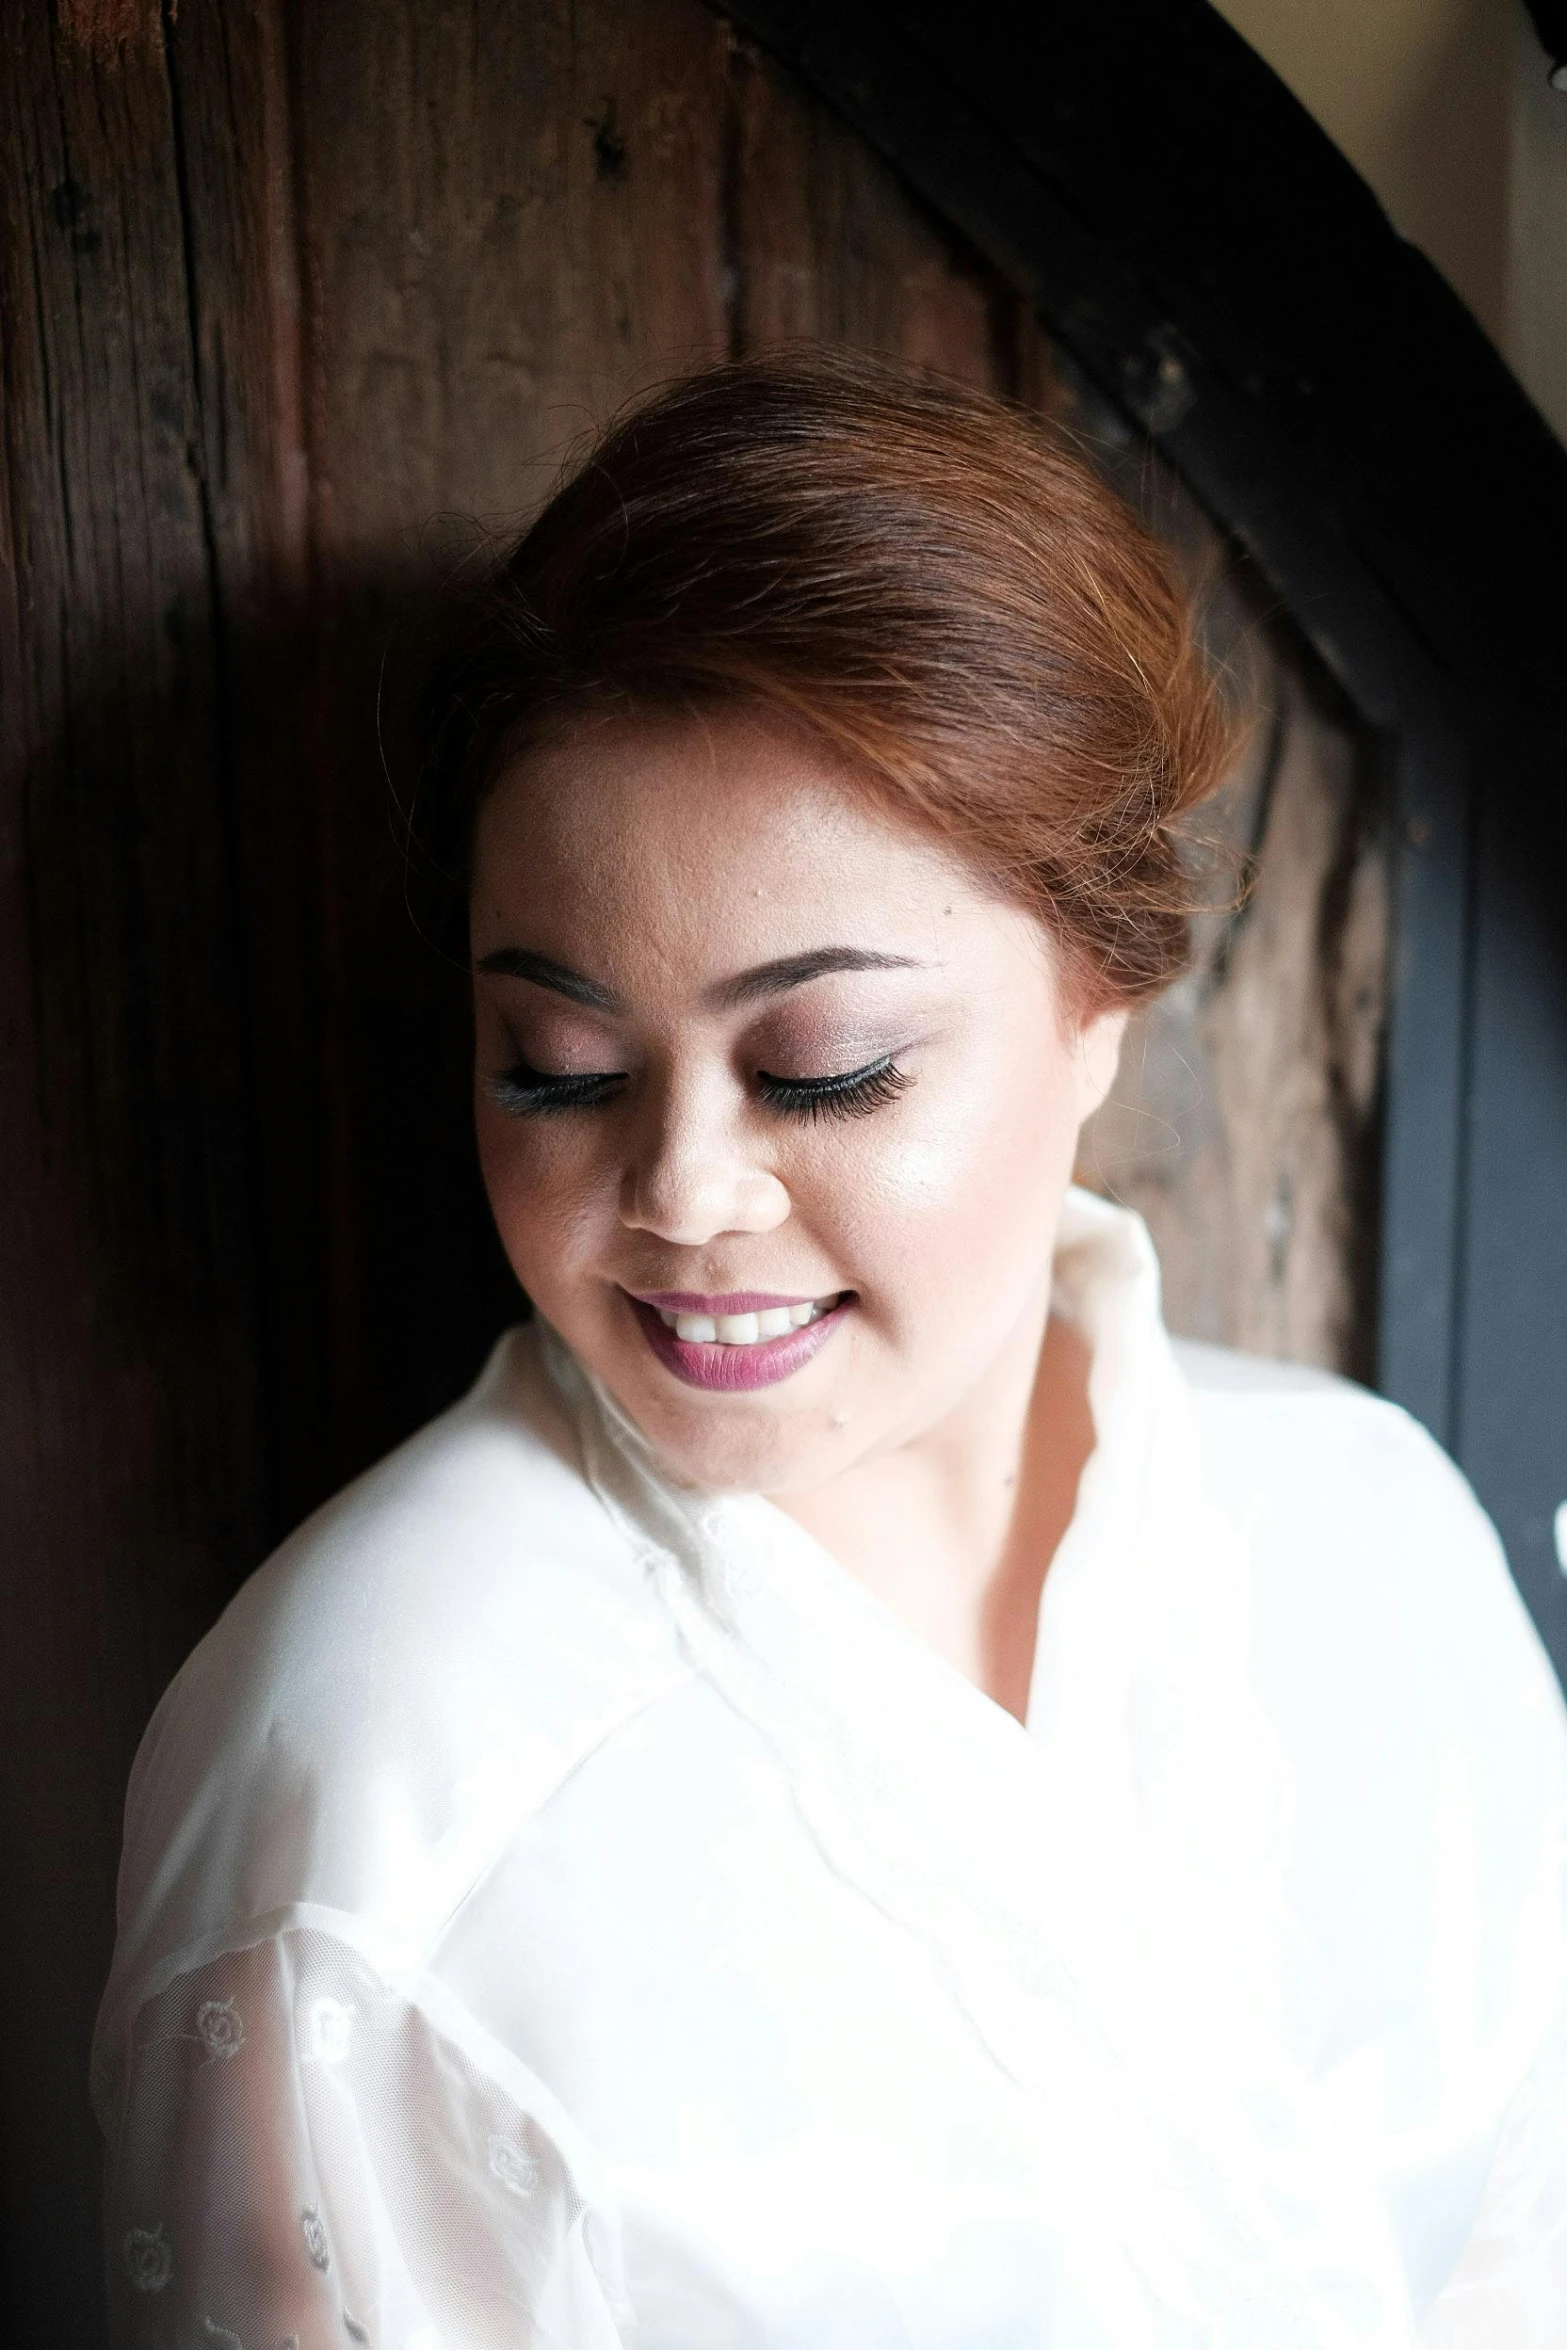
column 849, row 1793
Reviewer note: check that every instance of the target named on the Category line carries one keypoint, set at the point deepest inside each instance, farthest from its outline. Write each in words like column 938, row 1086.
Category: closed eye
column 853, row 1094
column 525, row 1092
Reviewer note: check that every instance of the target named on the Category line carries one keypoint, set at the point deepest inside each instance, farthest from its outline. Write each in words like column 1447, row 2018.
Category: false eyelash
column 853, row 1095
column 526, row 1092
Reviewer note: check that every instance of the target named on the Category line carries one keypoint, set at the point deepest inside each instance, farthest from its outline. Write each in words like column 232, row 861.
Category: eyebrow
column 518, row 963
column 747, row 987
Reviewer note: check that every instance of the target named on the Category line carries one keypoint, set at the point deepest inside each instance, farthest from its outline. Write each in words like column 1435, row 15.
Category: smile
column 740, row 1341
column 746, row 1329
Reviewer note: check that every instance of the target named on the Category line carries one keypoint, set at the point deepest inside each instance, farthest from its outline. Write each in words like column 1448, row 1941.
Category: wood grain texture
column 1246, row 1118
column 132, row 1417
column 1243, row 1124
column 288, row 292
column 824, row 246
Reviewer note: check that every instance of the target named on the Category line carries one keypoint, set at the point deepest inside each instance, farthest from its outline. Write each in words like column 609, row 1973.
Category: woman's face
column 776, row 1104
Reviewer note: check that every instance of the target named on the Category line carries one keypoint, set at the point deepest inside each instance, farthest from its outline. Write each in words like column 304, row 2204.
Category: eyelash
column 525, row 1092
column 853, row 1095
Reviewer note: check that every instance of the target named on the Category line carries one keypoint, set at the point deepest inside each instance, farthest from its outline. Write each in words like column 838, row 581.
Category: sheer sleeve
column 302, row 2155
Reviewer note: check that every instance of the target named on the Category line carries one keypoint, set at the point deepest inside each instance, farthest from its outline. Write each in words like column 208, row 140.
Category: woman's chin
column 720, row 1433
column 736, row 1442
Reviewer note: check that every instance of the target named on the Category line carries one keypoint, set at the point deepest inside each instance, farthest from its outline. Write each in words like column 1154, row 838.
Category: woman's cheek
column 501, row 1168
column 956, row 1201
column 541, row 1197
column 971, row 1148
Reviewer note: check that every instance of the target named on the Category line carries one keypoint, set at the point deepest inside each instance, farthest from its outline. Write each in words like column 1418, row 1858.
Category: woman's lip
column 735, row 1370
column 732, row 1301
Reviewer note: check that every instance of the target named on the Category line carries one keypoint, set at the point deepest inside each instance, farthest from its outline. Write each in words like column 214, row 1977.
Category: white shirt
column 562, row 1909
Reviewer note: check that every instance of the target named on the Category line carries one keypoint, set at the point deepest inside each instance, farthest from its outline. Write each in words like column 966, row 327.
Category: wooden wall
column 1244, row 1124
column 284, row 290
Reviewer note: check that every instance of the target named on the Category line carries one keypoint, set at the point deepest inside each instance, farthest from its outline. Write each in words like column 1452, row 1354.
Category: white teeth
column 745, row 1329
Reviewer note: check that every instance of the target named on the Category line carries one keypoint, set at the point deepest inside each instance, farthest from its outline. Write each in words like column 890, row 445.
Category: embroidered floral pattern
column 331, row 2030
column 513, row 2166
column 149, row 2258
column 219, row 2028
column 313, row 2229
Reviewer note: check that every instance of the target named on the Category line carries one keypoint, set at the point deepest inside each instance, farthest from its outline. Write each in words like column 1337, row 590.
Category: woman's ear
column 1098, row 1057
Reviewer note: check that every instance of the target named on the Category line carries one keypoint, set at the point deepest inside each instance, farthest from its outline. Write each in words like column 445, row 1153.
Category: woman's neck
column 955, row 1532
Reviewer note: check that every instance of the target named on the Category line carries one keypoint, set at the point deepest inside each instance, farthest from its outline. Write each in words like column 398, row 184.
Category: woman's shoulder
column 1420, row 1723
column 413, row 1672
column 1375, row 1571
column 474, row 1555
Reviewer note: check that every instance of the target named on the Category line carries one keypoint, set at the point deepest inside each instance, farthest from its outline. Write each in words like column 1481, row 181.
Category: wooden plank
column 131, row 1419
column 824, row 242
column 1244, row 1122
column 491, row 276
column 231, row 95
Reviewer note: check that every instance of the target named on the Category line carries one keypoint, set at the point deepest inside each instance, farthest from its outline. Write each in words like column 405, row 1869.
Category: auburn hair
column 936, row 583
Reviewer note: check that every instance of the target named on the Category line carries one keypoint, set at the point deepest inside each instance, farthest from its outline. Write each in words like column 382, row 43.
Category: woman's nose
column 692, row 1179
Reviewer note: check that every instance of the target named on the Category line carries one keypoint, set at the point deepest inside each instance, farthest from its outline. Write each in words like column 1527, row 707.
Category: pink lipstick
column 728, row 1368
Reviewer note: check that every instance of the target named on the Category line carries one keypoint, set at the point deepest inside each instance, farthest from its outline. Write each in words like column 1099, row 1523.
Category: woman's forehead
column 673, row 859
column 721, row 812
